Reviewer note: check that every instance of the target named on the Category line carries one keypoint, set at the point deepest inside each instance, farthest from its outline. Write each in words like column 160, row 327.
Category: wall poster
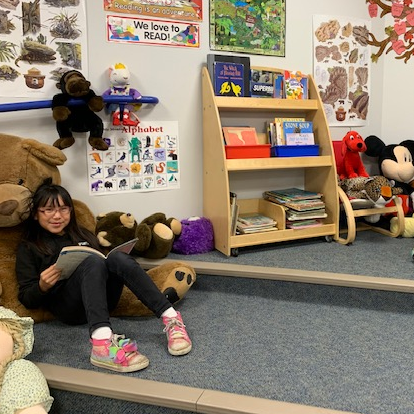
column 342, row 68
column 255, row 26
column 140, row 158
column 39, row 41
column 154, row 32
column 189, row 10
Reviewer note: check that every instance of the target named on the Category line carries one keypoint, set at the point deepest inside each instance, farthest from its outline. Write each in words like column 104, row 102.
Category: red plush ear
column 344, row 147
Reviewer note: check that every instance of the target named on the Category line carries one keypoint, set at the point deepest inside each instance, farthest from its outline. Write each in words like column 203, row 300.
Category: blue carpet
column 340, row 348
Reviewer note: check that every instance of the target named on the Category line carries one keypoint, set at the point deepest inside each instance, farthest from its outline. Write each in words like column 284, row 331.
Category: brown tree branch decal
column 399, row 38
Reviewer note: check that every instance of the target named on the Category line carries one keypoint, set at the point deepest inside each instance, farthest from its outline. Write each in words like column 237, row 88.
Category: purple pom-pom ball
column 196, row 236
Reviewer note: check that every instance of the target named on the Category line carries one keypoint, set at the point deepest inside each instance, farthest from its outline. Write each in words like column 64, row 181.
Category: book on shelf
column 230, row 75
column 292, row 193
column 255, row 222
column 278, row 88
column 293, row 215
column 262, row 83
column 303, row 224
column 280, row 136
column 240, row 136
column 296, row 85
column 234, row 212
column 71, row 257
column 305, row 205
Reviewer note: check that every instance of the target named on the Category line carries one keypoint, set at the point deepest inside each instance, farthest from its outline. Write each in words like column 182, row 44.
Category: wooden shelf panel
column 277, row 236
column 250, row 164
column 265, row 104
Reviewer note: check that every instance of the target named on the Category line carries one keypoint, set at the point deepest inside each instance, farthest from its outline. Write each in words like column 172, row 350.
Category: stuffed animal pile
column 25, row 164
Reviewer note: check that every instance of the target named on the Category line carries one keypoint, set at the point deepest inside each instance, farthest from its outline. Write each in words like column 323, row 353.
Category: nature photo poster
column 342, row 68
column 255, row 26
column 39, row 41
column 140, row 158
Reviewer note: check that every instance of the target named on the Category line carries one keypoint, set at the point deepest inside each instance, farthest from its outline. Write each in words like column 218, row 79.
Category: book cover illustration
column 298, row 133
column 240, row 136
column 228, row 79
column 261, row 83
column 280, row 137
column 278, row 88
column 296, row 85
column 241, row 60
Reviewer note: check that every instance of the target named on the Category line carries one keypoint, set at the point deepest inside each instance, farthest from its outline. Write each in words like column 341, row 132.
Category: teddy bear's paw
column 98, row 143
column 181, row 283
column 163, row 231
column 63, row 143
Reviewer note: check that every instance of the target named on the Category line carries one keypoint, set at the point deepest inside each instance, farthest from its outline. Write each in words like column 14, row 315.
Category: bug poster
column 140, row 158
column 39, row 41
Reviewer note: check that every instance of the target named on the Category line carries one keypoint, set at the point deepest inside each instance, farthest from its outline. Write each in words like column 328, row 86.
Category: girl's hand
column 49, row 277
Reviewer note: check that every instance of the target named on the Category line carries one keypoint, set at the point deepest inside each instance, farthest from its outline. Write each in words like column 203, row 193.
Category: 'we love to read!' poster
column 140, row 158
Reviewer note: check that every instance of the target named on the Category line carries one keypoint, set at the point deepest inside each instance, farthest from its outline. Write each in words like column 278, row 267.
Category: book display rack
column 319, row 171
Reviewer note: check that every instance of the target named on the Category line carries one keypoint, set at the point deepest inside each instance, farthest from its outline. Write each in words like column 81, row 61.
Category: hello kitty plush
column 119, row 77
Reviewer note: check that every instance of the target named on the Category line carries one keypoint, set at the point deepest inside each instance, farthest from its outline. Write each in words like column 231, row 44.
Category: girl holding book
column 94, row 288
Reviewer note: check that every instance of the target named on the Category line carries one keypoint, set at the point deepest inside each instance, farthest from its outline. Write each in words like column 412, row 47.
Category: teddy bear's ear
column 47, row 153
column 58, row 85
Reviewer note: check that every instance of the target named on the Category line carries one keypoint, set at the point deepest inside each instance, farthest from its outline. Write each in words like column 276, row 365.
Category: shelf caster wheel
column 329, row 239
column 234, row 252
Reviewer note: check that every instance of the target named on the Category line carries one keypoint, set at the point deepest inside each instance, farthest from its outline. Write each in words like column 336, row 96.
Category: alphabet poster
column 152, row 32
column 140, row 158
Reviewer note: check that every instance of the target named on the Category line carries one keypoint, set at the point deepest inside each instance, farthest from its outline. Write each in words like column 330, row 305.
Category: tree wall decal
column 399, row 37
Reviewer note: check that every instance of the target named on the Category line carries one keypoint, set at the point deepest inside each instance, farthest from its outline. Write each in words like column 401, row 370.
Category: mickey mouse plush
column 395, row 161
column 77, row 118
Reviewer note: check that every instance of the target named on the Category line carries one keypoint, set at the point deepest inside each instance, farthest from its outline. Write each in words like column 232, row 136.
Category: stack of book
column 303, row 208
column 254, row 223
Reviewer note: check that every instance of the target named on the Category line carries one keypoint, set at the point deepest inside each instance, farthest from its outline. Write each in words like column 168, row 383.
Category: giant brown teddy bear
column 25, row 163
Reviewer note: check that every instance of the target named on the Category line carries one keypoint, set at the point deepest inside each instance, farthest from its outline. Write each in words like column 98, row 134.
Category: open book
column 71, row 257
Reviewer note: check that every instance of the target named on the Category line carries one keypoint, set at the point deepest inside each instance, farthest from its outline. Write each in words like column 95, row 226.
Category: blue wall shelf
column 120, row 100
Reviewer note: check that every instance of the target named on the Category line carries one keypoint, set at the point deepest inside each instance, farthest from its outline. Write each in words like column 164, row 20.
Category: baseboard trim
column 291, row 275
column 168, row 395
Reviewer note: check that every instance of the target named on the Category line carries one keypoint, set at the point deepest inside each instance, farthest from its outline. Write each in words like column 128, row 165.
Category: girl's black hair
column 33, row 232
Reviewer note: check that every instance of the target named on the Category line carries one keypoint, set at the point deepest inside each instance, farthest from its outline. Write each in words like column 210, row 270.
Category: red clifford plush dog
column 352, row 145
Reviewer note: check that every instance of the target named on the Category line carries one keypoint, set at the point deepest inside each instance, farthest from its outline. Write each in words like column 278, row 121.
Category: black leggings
column 95, row 287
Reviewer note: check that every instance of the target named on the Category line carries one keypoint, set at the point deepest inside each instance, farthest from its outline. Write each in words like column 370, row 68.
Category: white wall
column 173, row 75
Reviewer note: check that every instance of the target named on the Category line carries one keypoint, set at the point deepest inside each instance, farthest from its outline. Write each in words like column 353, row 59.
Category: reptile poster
column 342, row 68
column 40, row 40
column 140, row 158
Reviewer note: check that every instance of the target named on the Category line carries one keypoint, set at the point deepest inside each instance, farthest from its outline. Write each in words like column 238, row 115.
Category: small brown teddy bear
column 156, row 233
column 79, row 117
column 174, row 279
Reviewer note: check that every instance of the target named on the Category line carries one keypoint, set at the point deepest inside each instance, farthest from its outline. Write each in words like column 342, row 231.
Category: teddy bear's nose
column 359, row 145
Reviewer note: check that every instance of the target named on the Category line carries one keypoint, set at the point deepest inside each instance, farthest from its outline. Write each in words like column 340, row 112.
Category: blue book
column 228, row 79
column 212, row 59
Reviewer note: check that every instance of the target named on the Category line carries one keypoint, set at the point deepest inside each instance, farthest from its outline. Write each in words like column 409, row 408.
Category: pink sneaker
column 179, row 342
column 117, row 354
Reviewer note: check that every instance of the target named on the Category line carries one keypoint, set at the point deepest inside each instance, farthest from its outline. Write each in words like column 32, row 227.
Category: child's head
column 52, row 208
